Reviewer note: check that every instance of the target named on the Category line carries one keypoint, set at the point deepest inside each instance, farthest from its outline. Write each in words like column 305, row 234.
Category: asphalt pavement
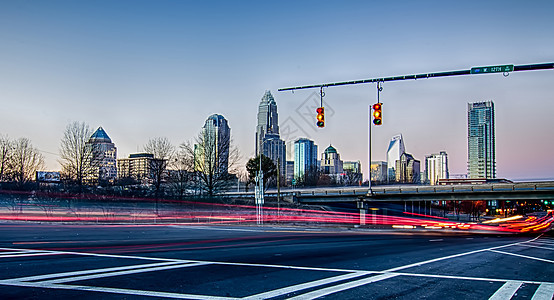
column 42, row 261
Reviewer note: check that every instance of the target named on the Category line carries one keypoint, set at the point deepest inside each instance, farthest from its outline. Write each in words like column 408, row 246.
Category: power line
column 473, row 71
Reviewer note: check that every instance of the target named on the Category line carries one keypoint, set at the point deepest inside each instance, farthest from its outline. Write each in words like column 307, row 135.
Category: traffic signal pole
column 505, row 69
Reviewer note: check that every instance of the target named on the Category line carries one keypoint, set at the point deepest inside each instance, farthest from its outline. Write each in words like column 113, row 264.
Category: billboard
column 48, row 176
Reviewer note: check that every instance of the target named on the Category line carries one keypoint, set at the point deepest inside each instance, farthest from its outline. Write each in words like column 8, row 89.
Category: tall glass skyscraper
column 481, row 150
column 395, row 150
column 268, row 141
column 305, row 157
column 217, row 140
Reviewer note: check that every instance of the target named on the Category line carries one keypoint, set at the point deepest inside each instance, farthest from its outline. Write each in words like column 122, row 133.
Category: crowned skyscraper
column 268, row 141
column 481, row 152
column 103, row 159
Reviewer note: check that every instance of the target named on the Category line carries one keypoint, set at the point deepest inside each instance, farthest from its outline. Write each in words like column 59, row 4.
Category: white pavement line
column 543, row 244
column 539, row 247
column 13, row 252
column 524, row 256
column 119, row 291
column 303, row 286
column 453, row 256
column 103, row 255
column 544, row 292
column 119, row 273
column 342, row 287
column 467, row 278
column 30, row 254
column 507, row 291
column 94, row 271
column 544, row 241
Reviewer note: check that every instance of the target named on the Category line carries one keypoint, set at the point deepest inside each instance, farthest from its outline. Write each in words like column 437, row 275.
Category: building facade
column 213, row 155
column 481, row 140
column 139, row 167
column 394, row 152
column 407, row 169
column 103, row 159
column 436, row 167
column 305, row 158
column 268, row 141
column 330, row 161
column 379, row 171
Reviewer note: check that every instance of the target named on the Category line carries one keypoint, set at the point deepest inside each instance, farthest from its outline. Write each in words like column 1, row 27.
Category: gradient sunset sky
column 143, row 69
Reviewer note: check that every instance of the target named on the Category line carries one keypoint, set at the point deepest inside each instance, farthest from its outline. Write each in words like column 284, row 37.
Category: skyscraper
column 104, row 155
column 481, row 153
column 305, row 158
column 436, row 167
column 330, row 161
column 268, row 141
column 395, row 150
column 407, row 169
column 216, row 136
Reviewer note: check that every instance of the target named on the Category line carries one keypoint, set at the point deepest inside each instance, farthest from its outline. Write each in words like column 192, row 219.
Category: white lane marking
column 544, row 292
column 303, row 286
column 507, row 291
column 119, row 291
column 119, row 273
column 467, row 278
column 453, row 256
column 536, row 247
column 103, row 255
column 94, row 271
column 541, row 241
column 437, row 240
column 30, row 254
column 342, row 287
column 524, row 256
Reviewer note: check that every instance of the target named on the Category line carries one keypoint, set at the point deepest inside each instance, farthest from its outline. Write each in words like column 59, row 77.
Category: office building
column 379, row 171
column 139, row 167
column 436, row 167
column 407, row 169
column 213, row 155
column 395, row 150
column 305, row 158
column 268, row 141
column 103, row 159
column 481, row 140
column 330, row 161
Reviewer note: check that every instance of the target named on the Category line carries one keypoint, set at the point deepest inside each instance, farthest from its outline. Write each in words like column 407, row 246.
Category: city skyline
column 145, row 69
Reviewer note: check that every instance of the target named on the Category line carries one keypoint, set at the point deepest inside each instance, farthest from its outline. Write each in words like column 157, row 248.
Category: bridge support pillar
column 362, row 206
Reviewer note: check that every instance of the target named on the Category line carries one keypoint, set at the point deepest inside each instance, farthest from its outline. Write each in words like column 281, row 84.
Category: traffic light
column 377, row 114
column 320, row 117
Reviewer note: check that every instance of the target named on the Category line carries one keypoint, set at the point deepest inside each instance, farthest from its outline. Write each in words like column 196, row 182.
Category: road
column 41, row 261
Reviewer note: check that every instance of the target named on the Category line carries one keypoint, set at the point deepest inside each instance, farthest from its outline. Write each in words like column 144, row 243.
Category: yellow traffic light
column 320, row 117
column 377, row 114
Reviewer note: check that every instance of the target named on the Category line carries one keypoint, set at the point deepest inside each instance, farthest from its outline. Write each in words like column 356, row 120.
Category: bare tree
column 76, row 157
column 213, row 160
column 182, row 172
column 25, row 161
column 163, row 152
column 6, row 147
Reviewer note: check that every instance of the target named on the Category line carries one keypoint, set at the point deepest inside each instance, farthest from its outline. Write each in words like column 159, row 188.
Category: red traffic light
column 320, row 117
column 377, row 114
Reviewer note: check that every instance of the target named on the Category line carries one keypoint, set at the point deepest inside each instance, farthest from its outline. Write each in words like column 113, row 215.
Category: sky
column 144, row 69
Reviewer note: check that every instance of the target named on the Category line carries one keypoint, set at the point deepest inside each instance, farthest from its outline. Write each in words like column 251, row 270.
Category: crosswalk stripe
column 544, row 292
column 342, row 287
column 507, row 291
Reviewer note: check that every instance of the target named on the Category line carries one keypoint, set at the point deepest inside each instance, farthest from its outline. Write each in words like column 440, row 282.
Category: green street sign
column 492, row 69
